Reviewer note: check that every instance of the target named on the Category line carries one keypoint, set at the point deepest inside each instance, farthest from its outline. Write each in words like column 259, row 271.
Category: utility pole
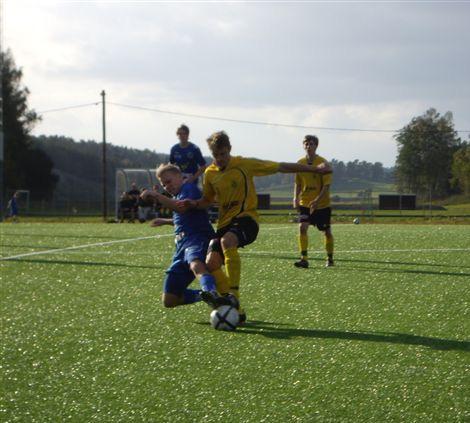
column 105, row 195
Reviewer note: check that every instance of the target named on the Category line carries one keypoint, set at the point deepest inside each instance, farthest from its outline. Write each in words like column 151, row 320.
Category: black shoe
column 301, row 263
column 233, row 301
column 214, row 300
column 242, row 318
column 329, row 263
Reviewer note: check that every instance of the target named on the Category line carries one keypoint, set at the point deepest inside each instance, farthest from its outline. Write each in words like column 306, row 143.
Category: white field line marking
column 78, row 247
column 411, row 250
column 98, row 244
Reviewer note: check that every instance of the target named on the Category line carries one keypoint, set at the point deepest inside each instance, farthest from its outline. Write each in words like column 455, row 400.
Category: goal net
column 125, row 178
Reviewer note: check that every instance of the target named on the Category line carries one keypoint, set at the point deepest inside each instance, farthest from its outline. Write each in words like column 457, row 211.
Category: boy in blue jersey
column 193, row 232
column 13, row 207
column 187, row 156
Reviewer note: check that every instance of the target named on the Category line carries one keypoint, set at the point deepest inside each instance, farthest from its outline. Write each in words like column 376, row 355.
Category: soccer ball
column 356, row 221
column 225, row 318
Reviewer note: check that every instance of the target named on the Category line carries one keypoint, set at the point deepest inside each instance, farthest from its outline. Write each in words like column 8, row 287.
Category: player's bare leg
column 214, row 263
column 171, row 300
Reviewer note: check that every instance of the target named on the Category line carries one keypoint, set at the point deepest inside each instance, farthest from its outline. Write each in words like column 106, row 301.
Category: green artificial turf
column 383, row 336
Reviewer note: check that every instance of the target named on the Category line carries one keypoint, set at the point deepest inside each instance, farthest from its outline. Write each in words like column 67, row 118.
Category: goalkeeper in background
column 229, row 181
column 312, row 199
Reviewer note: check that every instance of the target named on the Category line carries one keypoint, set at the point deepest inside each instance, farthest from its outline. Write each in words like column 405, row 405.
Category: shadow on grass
column 400, row 263
column 273, row 256
column 86, row 263
column 369, row 269
column 347, row 260
column 280, row 331
column 411, row 271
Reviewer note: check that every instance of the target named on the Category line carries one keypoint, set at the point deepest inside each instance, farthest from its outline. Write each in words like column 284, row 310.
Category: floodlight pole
column 105, row 196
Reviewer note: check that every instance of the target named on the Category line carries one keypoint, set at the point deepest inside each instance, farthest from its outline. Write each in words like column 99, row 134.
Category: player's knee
column 169, row 301
column 229, row 240
column 197, row 267
column 215, row 246
column 303, row 227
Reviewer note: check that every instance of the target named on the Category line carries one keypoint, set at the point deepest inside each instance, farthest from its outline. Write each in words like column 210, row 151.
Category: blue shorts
column 179, row 275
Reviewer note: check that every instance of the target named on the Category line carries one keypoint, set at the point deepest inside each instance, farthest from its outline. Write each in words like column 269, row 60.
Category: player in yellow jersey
column 312, row 199
column 229, row 181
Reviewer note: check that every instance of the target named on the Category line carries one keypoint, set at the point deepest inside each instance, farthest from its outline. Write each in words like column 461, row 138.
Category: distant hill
column 78, row 165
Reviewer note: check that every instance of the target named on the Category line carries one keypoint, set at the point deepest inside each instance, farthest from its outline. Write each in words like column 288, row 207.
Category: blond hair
column 168, row 167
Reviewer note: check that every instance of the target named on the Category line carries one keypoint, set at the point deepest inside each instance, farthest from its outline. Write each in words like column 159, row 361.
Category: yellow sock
column 233, row 269
column 303, row 246
column 329, row 245
column 221, row 281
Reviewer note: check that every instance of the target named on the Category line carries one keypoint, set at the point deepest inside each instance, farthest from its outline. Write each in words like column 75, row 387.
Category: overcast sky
column 344, row 64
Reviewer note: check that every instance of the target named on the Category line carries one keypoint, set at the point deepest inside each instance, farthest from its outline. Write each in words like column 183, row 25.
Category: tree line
column 432, row 160
column 78, row 165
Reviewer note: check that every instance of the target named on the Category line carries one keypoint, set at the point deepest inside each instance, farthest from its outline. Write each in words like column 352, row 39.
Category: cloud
column 370, row 65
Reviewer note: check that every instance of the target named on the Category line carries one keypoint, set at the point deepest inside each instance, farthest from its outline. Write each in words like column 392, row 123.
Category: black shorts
column 321, row 218
column 245, row 228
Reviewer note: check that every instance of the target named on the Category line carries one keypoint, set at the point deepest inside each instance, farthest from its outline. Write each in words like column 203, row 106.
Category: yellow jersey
column 233, row 187
column 311, row 184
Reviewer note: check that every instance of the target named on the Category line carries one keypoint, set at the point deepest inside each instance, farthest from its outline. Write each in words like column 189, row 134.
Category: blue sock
column 207, row 282
column 191, row 296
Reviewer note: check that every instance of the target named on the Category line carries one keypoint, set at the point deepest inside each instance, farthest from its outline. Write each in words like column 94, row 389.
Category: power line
column 254, row 122
column 223, row 119
column 251, row 122
column 68, row 108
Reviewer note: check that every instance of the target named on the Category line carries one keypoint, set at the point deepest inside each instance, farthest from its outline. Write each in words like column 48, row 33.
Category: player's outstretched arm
column 166, row 202
column 295, row 200
column 161, row 221
column 185, row 205
column 297, row 167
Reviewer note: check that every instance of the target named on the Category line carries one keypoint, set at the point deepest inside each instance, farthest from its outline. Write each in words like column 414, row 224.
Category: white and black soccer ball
column 225, row 317
column 356, row 221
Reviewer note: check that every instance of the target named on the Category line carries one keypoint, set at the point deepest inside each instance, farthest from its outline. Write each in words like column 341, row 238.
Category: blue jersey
column 194, row 221
column 188, row 159
column 13, row 206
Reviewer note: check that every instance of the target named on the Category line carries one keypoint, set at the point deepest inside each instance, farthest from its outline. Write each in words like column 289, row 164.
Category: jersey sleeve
column 327, row 179
column 191, row 192
column 258, row 167
column 172, row 155
column 200, row 160
column 208, row 191
column 298, row 180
